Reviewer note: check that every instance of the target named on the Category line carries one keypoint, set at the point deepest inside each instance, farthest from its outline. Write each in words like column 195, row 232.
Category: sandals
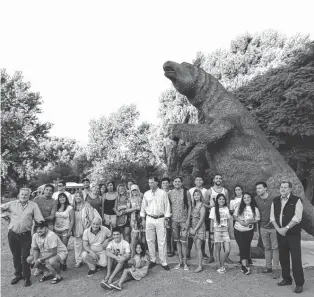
column 117, row 287
column 56, row 280
column 46, row 277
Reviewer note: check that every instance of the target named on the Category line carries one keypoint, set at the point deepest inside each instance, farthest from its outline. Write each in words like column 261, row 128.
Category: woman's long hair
column 74, row 201
column 243, row 205
column 202, row 197
column 217, row 206
column 66, row 203
column 125, row 193
column 235, row 195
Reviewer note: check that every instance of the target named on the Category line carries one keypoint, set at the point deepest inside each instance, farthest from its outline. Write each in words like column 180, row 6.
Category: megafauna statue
column 229, row 138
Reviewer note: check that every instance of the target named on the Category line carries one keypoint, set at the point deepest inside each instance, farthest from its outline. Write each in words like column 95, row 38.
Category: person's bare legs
column 134, row 241
column 226, row 252
column 109, row 266
column 54, row 262
column 217, row 253
column 184, row 251
column 126, row 275
column 118, row 267
column 179, row 249
column 199, row 254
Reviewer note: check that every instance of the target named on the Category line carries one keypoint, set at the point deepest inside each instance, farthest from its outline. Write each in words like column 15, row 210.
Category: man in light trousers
column 268, row 232
column 155, row 212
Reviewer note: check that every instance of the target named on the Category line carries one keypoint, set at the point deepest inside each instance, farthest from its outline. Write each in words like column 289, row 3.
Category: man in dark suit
column 286, row 215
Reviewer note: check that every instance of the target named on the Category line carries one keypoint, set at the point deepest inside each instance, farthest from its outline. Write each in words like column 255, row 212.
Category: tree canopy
column 270, row 73
column 21, row 130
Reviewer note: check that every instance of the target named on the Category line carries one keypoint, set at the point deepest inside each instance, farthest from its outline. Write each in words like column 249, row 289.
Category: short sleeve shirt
column 224, row 217
column 47, row 243
column 98, row 238
column 178, row 209
column 45, row 205
column 119, row 249
column 246, row 215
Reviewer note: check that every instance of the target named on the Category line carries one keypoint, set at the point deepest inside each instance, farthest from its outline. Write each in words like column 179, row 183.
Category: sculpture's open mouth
column 169, row 72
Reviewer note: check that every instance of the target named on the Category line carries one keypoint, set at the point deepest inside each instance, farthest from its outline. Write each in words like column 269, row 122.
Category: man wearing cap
column 95, row 241
column 86, row 191
column 61, row 189
column 48, row 252
column 22, row 212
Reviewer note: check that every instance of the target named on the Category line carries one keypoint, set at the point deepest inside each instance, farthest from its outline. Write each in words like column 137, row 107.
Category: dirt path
column 157, row 283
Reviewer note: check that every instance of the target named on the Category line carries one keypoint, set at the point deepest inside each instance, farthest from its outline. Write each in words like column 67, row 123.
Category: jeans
column 270, row 242
column 244, row 240
column 20, row 246
column 290, row 245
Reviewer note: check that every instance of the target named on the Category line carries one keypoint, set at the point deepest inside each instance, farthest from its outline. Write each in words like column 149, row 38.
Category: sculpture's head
column 184, row 76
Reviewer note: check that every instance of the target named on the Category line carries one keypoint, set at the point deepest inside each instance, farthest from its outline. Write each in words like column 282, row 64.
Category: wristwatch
column 287, row 227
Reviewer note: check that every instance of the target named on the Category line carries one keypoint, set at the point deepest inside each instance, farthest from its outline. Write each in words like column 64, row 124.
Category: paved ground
column 158, row 282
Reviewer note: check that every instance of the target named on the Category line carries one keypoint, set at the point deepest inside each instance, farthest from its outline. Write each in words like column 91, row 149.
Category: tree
column 282, row 101
column 280, row 88
column 21, row 130
column 119, row 149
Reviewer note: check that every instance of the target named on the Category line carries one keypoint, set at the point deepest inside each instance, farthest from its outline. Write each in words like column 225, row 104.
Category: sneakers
column 166, row 267
column 221, row 270
column 78, row 264
column 91, row 272
column 245, row 270
column 211, row 260
column 186, row 267
column 177, row 267
column 117, row 287
column 152, row 265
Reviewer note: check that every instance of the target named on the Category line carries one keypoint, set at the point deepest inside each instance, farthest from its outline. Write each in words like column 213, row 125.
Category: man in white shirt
column 155, row 212
column 61, row 189
column 118, row 253
column 95, row 241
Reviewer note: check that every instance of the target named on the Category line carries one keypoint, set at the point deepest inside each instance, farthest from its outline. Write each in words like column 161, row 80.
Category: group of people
column 115, row 227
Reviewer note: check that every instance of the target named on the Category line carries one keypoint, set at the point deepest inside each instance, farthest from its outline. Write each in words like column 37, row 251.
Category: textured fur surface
column 228, row 136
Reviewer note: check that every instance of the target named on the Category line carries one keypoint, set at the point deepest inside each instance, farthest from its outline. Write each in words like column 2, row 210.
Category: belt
column 156, row 217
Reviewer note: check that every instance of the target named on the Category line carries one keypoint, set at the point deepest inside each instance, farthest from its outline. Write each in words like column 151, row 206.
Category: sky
column 88, row 58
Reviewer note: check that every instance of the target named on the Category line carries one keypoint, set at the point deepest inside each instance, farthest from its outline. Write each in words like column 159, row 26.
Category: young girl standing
column 139, row 268
column 246, row 216
column 219, row 230
column 197, row 229
column 135, row 202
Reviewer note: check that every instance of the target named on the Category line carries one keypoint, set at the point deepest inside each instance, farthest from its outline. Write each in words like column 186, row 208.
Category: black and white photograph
column 157, row 148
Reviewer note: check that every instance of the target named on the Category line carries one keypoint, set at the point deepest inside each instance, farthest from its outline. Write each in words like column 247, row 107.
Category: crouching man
column 118, row 253
column 95, row 242
column 48, row 253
